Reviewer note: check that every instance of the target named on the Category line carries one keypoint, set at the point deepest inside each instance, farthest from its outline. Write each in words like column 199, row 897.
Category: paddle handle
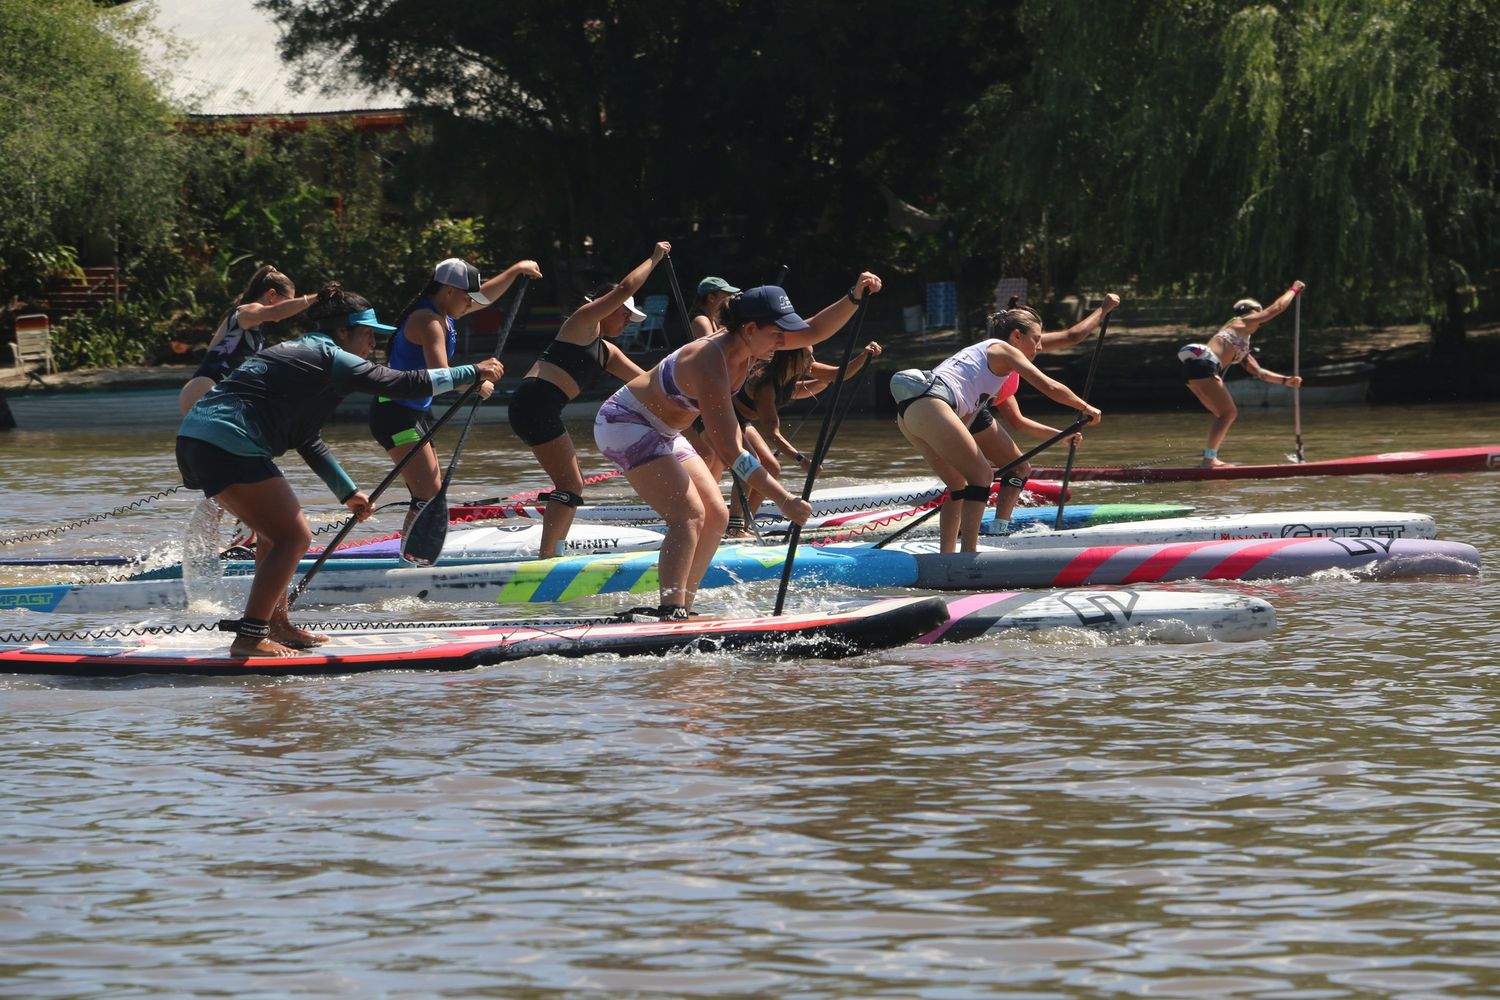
column 820, row 451
column 385, row 483
column 1083, row 418
column 687, row 324
column 1088, row 387
column 1296, row 372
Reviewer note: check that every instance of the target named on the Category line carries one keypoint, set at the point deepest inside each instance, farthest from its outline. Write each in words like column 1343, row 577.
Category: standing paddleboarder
column 1203, row 366
column 276, row 401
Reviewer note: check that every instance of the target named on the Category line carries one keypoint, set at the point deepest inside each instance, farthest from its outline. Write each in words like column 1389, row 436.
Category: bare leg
column 716, row 518
column 271, row 509
column 422, row 475
column 1216, row 399
column 559, row 459
column 942, row 439
column 665, row 484
column 1000, row 450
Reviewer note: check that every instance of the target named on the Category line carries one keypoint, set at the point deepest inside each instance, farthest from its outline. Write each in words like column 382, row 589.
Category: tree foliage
column 1230, row 146
column 621, row 120
column 87, row 148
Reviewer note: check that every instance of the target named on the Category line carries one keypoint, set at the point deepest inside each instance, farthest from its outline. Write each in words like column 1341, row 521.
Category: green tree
column 87, row 148
column 773, row 123
column 1230, row 146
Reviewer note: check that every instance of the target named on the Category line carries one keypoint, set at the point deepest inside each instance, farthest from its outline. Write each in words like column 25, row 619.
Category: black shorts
column 1196, row 368
column 536, row 411
column 983, row 420
column 211, row 469
column 394, row 425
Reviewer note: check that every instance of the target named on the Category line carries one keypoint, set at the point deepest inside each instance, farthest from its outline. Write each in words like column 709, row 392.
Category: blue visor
column 367, row 318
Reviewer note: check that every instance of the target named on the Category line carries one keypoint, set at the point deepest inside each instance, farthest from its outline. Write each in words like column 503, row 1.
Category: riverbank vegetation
column 1203, row 151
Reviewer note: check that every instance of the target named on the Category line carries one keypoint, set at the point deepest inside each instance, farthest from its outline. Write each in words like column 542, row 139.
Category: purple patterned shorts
column 629, row 435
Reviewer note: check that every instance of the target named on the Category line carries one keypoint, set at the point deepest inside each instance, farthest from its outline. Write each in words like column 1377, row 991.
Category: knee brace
column 978, row 492
column 563, row 497
column 1019, row 482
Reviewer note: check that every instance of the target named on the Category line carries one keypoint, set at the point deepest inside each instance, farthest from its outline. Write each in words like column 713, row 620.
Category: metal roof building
column 221, row 59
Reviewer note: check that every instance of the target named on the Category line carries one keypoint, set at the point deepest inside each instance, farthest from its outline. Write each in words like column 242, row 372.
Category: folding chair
column 34, row 341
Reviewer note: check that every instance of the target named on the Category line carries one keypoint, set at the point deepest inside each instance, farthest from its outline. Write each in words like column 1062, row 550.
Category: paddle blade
column 423, row 541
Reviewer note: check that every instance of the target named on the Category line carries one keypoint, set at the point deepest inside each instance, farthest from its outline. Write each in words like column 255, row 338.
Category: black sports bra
column 584, row 363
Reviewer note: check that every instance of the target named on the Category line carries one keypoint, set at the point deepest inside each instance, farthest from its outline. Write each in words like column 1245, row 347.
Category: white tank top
column 974, row 385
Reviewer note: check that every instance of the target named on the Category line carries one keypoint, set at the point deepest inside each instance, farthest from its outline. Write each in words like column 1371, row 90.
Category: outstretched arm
column 587, row 316
column 500, row 283
column 1054, row 390
column 832, row 318
column 1080, row 331
column 1266, row 375
column 1276, row 308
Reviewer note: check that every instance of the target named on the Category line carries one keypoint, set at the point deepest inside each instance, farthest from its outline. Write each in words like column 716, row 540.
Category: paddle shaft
column 424, row 539
column 687, row 329
column 1297, row 371
column 385, row 483
column 1083, row 418
column 825, row 438
column 1088, row 386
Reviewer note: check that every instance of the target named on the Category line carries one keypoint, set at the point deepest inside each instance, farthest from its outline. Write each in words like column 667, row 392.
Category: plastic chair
column 1005, row 288
column 654, row 326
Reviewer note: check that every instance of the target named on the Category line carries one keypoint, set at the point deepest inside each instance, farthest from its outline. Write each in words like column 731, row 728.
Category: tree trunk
column 1449, row 334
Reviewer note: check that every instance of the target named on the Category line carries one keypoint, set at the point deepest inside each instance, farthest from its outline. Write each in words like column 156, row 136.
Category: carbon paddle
column 385, row 483
column 820, row 451
column 1296, row 371
column 1083, row 419
column 1088, row 385
column 423, row 542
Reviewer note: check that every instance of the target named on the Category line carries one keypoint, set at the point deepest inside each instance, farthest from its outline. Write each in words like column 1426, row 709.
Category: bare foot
column 294, row 636
column 1214, row 463
column 245, row 646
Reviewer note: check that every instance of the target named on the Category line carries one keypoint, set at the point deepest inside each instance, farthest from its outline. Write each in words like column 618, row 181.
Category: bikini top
column 1239, row 345
column 584, row 363
column 667, row 372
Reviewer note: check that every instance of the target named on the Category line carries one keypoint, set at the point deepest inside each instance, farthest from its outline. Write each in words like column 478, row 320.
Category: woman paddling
column 1203, row 366
column 572, row 362
column 640, row 427
column 427, row 338
column 789, row 375
column 269, row 297
column 276, row 401
column 934, row 410
column 702, row 314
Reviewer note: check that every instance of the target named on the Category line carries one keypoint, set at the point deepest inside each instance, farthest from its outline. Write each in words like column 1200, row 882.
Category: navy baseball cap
column 768, row 304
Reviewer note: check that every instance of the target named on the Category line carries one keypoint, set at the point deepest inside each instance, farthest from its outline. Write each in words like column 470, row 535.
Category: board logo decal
column 1364, row 546
column 1102, row 607
column 1344, row 531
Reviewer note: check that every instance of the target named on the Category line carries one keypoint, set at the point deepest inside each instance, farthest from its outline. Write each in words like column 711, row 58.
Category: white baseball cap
column 460, row 274
column 636, row 315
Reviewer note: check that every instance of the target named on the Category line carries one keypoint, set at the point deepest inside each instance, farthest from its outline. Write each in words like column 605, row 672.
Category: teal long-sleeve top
column 279, row 399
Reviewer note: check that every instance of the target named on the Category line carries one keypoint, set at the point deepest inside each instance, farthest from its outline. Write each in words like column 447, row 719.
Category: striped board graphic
column 833, row 634
column 1235, row 559
column 1385, row 463
column 1157, row 615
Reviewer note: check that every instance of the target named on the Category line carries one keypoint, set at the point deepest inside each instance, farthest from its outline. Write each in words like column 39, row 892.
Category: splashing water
column 202, row 569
